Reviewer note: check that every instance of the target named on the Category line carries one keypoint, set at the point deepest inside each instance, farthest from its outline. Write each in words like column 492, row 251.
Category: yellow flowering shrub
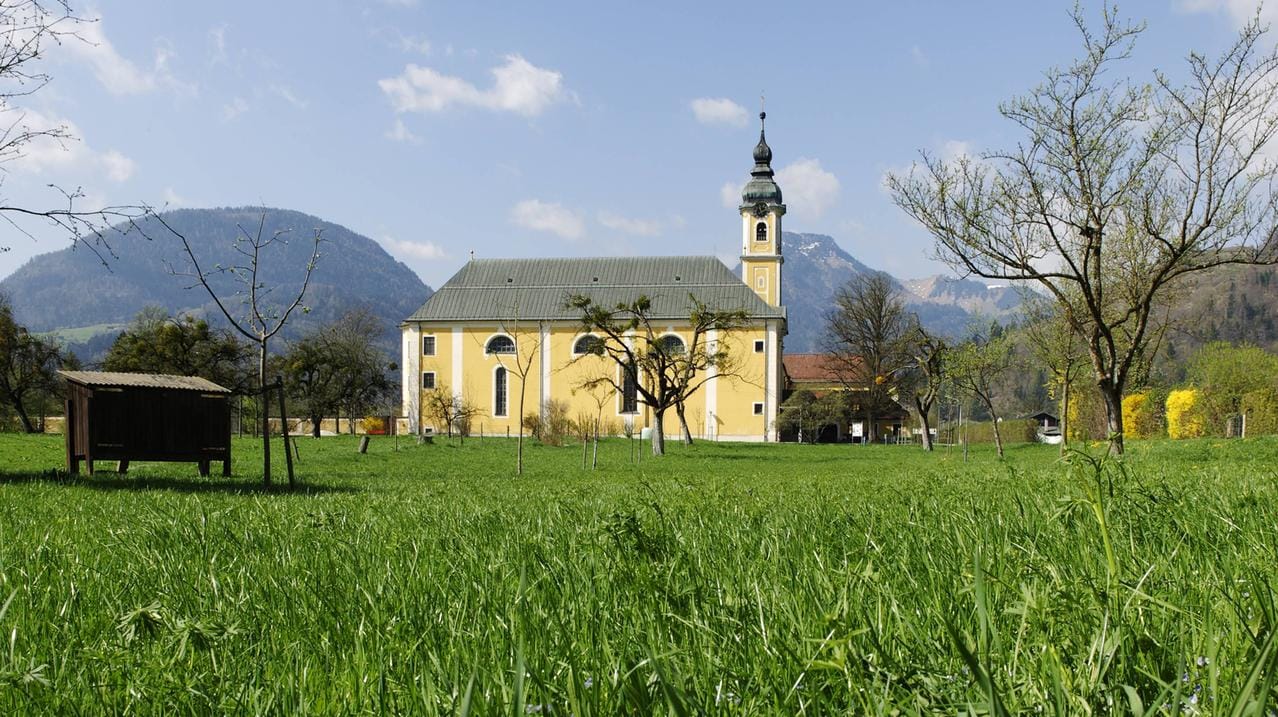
column 1184, row 417
column 1135, row 411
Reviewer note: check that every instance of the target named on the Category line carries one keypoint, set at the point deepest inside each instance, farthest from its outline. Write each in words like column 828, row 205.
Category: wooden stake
column 288, row 453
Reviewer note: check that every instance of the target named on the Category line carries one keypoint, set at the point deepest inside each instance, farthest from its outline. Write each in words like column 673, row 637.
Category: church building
column 497, row 320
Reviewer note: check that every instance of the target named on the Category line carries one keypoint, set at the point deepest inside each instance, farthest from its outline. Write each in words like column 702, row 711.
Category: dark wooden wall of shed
column 159, row 423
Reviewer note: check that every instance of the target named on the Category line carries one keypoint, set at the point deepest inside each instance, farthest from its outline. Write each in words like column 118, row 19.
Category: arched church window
column 671, row 345
column 630, row 390
column 499, row 391
column 500, row 345
column 588, row 344
column 761, row 232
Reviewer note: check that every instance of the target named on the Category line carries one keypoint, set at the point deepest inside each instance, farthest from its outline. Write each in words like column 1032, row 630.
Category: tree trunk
column 519, row 442
column 1113, row 396
column 1064, row 416
column 658, row 433
column 925, row 421
column 683, row 424
column 27, row 425
column 315, row 426
column 266, row 413
column 998, row 435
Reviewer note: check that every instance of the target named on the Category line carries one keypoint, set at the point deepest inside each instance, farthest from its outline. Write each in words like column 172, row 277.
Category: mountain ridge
column 816, row 266
column 70, row 289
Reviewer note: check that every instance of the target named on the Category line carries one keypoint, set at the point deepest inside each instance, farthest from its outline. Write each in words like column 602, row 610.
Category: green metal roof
column 537, row 289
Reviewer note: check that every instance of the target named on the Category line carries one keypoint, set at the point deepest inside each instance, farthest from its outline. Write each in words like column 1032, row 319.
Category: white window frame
column 760, row 346
column 433, row 380
column 434, row 345
column 758, row 408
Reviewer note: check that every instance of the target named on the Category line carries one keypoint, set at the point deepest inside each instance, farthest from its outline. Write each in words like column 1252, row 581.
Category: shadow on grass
column 110, row 481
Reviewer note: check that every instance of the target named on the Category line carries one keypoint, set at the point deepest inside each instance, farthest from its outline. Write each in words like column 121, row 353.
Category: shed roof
column 142, row 380
column 494, row 289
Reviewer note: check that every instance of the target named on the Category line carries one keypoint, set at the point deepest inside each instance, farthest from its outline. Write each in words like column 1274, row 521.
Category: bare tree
column 447, row 409
column 28, row 28
column 519, row 361
column 1117, row 192
column 662, row 368
column 868, row 338
column 259, row 318
column 975, row 367
column 929, row 354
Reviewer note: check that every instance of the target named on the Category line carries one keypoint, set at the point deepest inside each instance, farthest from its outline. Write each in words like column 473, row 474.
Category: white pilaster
column 772, row 393
column 411, row 371
column 712, row 388
column 545, row 368
column 458, row 376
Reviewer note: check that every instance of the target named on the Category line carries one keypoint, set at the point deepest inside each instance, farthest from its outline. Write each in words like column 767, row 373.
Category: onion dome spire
column 762, row 152
column 761, row 189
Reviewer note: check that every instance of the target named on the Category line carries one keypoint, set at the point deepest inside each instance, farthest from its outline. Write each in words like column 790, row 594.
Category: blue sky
column 549, row 129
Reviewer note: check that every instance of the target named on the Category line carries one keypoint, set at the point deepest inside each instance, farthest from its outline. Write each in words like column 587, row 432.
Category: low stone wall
column 333, row 426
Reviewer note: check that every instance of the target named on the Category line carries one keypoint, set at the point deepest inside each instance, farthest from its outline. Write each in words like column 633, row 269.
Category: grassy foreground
column 727, row 579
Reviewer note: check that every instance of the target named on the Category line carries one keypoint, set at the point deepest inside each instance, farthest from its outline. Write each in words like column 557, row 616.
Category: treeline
column 30, row 388
column 333, row 370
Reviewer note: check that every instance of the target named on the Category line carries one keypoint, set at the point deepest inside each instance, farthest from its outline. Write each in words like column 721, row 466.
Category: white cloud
column 809, row 189
column 919, row 57
column 949, row 150
column 627, row 225
column 118, row 167
column 548, row 217
column 719, row 110
column 173, row 200
column 289, row 96
column 1239, row 11
column 413, row 43
column 730, row 194
column 954, row 149
column 413, row 249
column 401, row 133
column 73, row 156
column 217, row 45
column 518, row 86
column 117, row 74
column 234, row 108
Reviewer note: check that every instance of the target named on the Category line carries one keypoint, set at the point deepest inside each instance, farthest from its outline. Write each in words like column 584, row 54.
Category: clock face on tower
column 760, row 209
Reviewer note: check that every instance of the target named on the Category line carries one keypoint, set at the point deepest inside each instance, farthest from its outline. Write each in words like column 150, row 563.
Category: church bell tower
column 761, row 211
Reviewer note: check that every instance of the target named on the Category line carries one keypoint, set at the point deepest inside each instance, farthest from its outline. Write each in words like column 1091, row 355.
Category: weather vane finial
column 762, row 113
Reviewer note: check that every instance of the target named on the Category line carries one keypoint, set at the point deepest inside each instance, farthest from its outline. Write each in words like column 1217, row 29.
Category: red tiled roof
column 823, row 368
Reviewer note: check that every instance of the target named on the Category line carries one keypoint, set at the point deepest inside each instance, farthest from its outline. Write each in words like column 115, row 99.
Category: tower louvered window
column 761, row 232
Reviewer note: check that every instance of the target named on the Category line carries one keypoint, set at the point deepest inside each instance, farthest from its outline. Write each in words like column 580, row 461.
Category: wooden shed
column 146, row 417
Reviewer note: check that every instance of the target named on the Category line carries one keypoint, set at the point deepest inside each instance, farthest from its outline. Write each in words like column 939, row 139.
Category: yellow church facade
column 501, row 331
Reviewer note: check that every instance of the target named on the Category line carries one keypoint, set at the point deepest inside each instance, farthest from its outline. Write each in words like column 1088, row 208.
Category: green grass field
column 732, row 579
